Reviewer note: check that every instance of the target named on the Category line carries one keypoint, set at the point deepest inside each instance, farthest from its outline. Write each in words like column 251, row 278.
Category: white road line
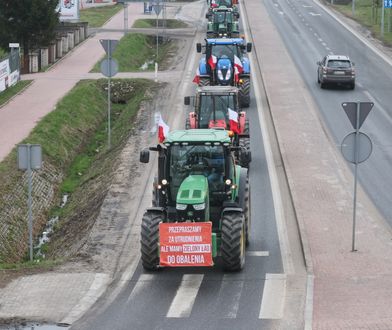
column 273, row 299
column 284, row 245
column 314, row 14
column 140, row 285
column 231, row 302
column 182, row 303
column 257, row 253
column 309, row 303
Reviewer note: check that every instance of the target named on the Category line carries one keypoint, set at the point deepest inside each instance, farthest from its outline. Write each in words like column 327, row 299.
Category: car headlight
column 181, row 207
column 199, row 207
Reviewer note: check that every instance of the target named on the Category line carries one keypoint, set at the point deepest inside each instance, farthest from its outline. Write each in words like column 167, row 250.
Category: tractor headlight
column 164, row 182
column 228, row 182
column 199, row 207
column 181, row 207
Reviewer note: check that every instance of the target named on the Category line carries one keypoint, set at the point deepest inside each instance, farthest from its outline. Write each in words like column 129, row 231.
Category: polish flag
column 233, row 119
column 236, row 75
column 197, row 77
column 238, row 64
column 163, row 130
column 212, row 62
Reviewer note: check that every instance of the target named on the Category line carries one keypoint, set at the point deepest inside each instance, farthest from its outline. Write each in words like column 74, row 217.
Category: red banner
column 185, row 244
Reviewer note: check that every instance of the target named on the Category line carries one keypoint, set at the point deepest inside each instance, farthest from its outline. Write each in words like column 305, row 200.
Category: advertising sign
column 68, row 10
column 185, row 244
column 4, row 73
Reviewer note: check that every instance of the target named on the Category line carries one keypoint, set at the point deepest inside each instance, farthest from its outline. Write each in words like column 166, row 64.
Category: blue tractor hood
column 224, row 71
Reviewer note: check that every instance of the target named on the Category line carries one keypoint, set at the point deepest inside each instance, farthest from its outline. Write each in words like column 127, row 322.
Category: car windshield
column 226, row 51
column 219, row 103
column 339, row 64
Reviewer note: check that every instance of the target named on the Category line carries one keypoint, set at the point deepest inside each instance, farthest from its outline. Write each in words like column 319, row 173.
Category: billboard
column 4, row 74
column 68, row 10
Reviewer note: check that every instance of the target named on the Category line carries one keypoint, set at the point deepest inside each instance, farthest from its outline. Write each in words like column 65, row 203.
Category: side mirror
column 198, row 47
column 249, row 47
column 236, row 14
column 187, row 100
column 144, row 156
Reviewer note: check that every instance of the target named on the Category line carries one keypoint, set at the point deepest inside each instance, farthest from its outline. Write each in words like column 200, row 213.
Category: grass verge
column 97, row 16
column 9, row 93
column 137, row 52
column 74, row 143
column 152, row 23
column 370, row 16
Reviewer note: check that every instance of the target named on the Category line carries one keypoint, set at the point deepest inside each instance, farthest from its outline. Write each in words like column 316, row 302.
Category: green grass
column 97, row 16
column 3, row 53
column 41, row 264
column 370, row 17
column 74, row 141
column 152, row 23
column 134, row 50
column 9, row 93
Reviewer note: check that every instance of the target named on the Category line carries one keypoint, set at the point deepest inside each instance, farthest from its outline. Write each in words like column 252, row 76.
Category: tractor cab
column 222, row 22
column 211, row 108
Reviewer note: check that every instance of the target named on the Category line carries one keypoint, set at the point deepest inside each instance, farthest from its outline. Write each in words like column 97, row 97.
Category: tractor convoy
column 200, row 213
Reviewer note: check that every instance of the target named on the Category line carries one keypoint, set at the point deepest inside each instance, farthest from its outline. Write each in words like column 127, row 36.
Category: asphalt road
column 309, row 34
column 208, row 298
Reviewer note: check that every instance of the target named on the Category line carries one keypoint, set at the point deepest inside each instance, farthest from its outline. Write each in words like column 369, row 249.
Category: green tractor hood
column 192, row 198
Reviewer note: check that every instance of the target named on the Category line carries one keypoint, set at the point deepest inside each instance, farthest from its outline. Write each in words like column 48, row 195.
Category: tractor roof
column 199, row 136
column 217, row 89
column 226, row 41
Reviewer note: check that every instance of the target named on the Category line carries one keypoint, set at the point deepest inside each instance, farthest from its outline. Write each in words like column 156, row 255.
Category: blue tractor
column 225, row 63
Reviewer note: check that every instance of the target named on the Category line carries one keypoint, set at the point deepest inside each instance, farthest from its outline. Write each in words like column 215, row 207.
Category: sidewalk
column 352, row 290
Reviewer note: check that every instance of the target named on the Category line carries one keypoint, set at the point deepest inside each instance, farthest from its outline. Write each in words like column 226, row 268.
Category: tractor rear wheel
column 150, row 239
column 244, row 143
column 233, row 241
column 246, row 209
column 244, row 92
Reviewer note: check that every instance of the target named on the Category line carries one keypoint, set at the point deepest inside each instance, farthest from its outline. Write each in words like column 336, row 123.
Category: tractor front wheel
column 150, row 239
column 233, row 241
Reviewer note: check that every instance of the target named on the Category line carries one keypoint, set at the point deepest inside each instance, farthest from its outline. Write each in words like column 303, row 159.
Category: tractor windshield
column 215, row 108
column 223, row 17
column 226, row 51
column 207, row 160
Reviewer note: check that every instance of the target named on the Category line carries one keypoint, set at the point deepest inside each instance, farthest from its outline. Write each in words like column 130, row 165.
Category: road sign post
column 29, row 159
column 356, row 113
column 109, row 68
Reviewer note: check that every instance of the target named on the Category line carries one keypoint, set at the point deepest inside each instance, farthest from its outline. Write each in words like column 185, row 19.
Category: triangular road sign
column 350, row 108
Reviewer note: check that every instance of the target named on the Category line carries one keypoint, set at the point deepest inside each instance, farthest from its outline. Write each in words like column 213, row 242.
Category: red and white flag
column 163, row 130
column 236, row 75
column 197, row 77
column 233, row 119
column 238, row 64
column 212, row 62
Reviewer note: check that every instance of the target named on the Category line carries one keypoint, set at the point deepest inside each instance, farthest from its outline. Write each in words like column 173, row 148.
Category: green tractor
column 222, row 22
column 198, row 184
column 212, row 106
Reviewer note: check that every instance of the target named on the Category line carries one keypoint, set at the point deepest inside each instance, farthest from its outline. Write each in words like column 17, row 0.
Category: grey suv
column 336, row 69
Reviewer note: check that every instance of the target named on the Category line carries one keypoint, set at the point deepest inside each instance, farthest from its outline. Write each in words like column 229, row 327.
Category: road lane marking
column 274, row 294
column 257, row 253
column 141, row 284
column 314, row 14
column 182, row 303
column 229, row 297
